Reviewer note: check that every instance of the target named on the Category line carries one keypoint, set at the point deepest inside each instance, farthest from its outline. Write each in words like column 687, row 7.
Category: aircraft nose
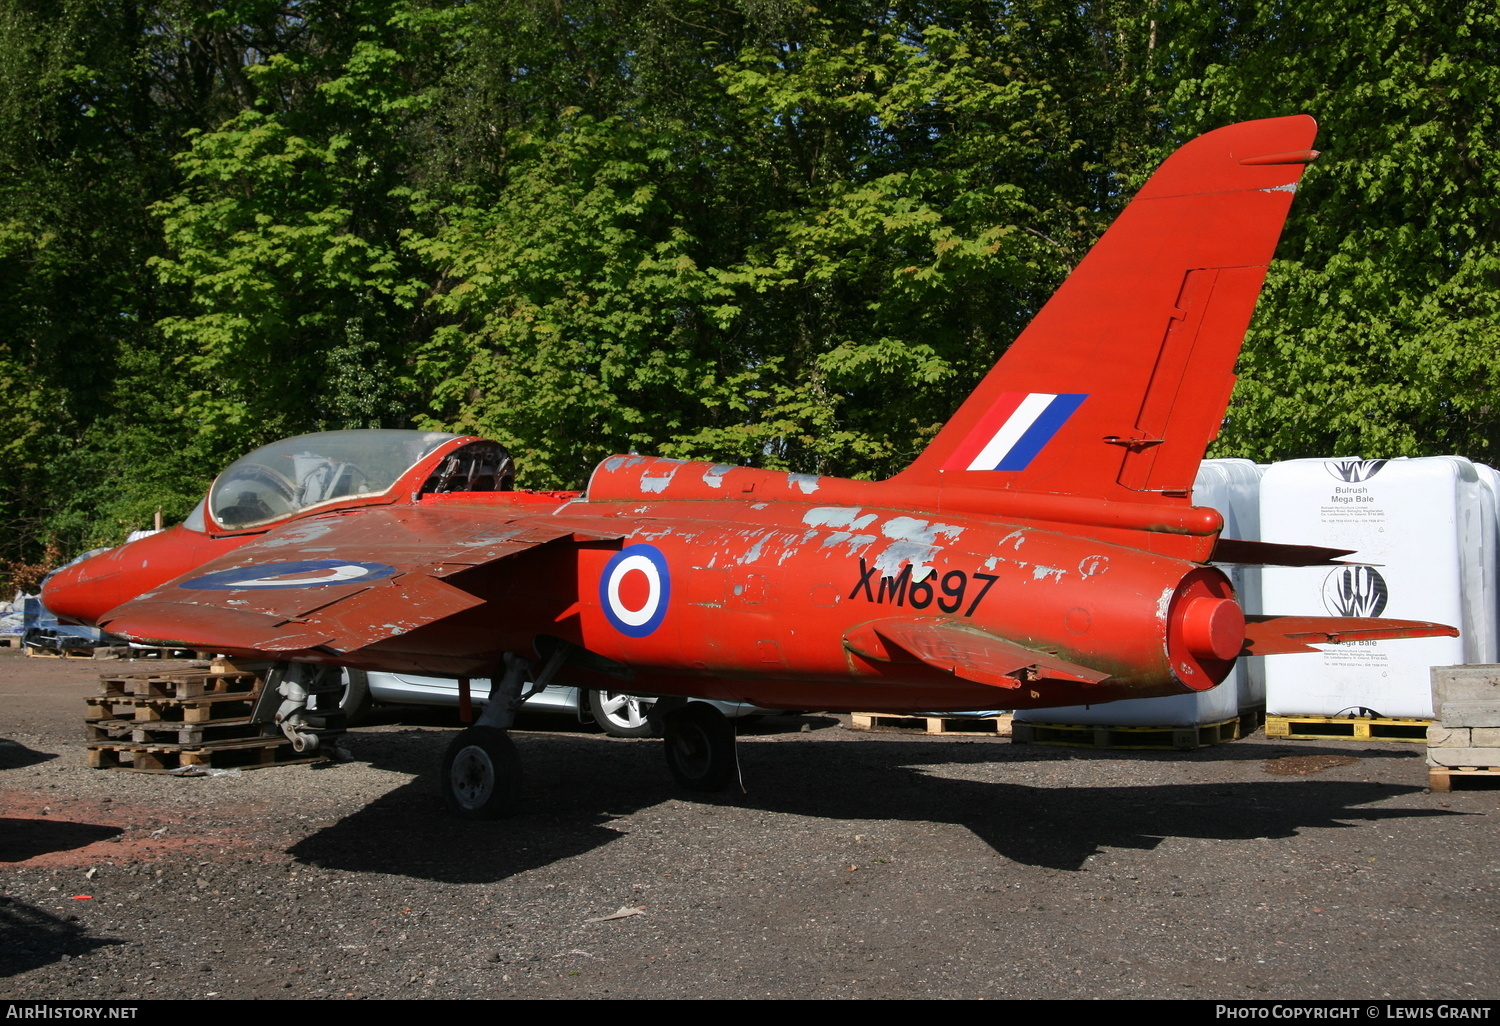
column 75, row 593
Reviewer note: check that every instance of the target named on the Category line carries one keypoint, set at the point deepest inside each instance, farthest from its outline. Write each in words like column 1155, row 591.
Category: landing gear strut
column 700, row 747
column 481, row 771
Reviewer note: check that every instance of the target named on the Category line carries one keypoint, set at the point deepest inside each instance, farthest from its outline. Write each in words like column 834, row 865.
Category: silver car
column 615, row 712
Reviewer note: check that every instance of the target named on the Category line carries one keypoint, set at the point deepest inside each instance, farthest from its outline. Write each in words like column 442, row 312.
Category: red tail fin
column 1115, row 389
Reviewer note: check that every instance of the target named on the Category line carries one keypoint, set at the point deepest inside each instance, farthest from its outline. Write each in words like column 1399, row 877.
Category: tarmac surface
column 859, row 865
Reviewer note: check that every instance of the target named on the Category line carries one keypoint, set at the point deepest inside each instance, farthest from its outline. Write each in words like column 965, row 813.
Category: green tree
column 790, row 237
column 1377, row 334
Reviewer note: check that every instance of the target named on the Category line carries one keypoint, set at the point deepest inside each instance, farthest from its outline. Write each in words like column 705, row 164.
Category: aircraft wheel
column 700, row 747
column 622, row 715
column 482, row 774
column 355, row 702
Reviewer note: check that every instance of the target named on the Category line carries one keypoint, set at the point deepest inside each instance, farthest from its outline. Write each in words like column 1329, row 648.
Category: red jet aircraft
column 1043, row 551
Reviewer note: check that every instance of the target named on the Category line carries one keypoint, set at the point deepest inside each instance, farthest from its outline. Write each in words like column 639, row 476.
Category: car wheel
column 622, row 715
column 700, row 747
column 482, row 774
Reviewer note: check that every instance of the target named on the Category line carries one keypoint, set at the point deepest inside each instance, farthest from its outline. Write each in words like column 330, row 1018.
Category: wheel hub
column 473, row 777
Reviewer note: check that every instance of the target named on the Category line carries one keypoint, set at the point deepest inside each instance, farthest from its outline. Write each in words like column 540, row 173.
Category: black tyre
column 355, row 703
column 482, row 774
column 622, row 715
column 700, row 748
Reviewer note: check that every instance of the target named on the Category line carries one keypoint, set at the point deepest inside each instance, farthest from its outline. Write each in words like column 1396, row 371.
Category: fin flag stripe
column 1014, row 430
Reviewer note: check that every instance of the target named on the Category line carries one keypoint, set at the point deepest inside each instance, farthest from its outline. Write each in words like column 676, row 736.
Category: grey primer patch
column 837, row 516
column 658, row 484
column 912, row 541
column 298, row 535
column 714, row 475
column 754, row 551
column 807, row 483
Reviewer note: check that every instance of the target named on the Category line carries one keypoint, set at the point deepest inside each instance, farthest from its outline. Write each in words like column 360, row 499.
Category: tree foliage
column 756, row 231
column 1378, row 331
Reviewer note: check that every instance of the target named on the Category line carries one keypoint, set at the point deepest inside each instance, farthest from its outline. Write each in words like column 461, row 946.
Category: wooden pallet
column 190, row 684
column 10, row 641
column 1078, row 735
column 39, row 652
column 1252, row 719
column 161, row 733
column 1351, row 728
column 247, row 753
column 1440, row 778
column 981, row 726
column 169, row 710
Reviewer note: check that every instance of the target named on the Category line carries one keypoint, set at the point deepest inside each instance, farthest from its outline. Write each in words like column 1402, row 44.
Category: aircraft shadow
column 21, row 839
column 577, row 785
column 1059, row 826
column 14, row 755
column 31, row 938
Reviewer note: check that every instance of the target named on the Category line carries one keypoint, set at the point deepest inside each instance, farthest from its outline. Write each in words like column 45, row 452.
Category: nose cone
column 89, row 589
column 79, row 593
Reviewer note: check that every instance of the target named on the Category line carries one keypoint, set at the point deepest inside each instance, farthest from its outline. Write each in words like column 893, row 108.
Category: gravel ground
column 859, row 865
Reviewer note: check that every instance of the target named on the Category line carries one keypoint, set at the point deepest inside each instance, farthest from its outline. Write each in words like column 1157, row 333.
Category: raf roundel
column 634, row 590
column 301, row 573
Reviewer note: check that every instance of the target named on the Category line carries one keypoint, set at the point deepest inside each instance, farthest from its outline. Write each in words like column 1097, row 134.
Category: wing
column 342, row 581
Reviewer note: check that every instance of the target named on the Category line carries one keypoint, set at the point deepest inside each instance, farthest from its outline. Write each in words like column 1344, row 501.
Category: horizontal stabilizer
column 962, row 651
column 1279, row 635
column 1254, row 553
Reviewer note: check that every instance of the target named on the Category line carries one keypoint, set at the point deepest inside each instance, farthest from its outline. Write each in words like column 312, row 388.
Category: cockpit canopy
column 299, row 473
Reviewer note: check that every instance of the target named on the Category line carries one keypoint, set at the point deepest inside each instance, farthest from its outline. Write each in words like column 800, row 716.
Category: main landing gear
column 700, row 747
column 482, row 773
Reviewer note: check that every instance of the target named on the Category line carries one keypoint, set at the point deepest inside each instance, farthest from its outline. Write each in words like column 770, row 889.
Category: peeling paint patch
column 1288, row 187
column 656, row 533
column 912, row 541
column 1019, row 536
column 1088, row 566
column 805, row 483
column 302, row 533
column 1038, row 572
column 714, row 475
column 913, row 530
column 753, row 553
column 1164, row 603
column 837, row 516
column 759, row 505
column 991, row 562
column 658, row 483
